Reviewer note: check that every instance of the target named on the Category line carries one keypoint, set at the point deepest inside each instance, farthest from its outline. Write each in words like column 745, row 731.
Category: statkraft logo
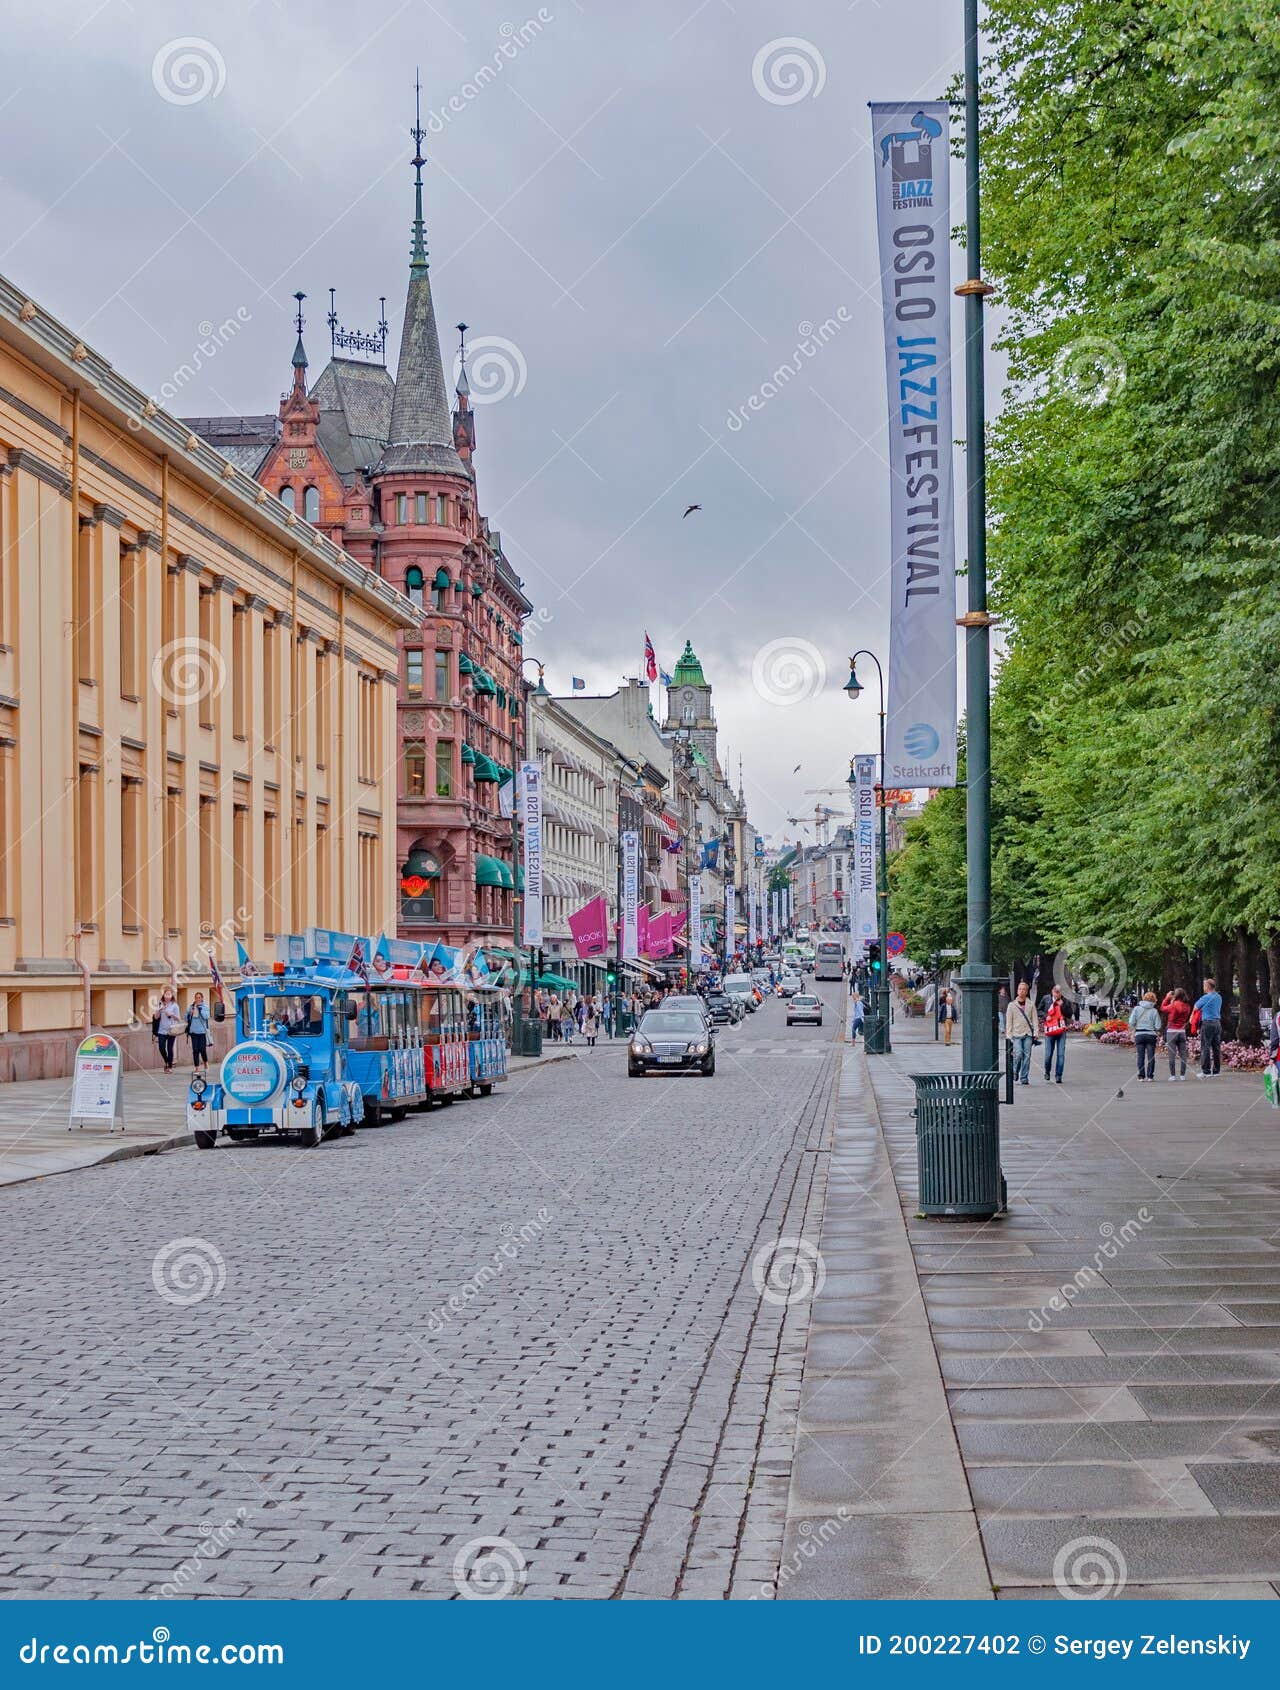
column 921, row 739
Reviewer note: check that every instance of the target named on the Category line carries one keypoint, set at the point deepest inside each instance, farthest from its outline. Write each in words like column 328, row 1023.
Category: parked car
column 804, row 1007
column 671, row 1040
column 722, row 1010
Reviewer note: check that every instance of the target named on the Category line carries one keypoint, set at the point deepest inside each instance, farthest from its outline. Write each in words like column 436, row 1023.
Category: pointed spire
column 299, row 351
column 464, row 422
column 462, row 387
column 421, row 436
column 418, row 254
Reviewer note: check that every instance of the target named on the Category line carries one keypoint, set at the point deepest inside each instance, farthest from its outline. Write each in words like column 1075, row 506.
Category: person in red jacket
column 1055, row 1035
column 1177, row 1007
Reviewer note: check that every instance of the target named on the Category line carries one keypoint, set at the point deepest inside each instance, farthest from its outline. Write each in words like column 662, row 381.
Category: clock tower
column 689, row 705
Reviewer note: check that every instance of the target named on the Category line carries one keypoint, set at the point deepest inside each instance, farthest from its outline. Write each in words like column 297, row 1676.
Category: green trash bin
column 958, row 1144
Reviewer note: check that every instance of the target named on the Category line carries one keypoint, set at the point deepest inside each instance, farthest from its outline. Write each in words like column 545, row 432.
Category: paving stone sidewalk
column 35, row 1140
column 1111, row 1346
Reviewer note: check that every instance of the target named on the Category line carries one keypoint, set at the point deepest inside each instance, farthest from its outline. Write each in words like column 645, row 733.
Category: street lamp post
column 526, row 1038
column 879, row 1042
column 637, row 790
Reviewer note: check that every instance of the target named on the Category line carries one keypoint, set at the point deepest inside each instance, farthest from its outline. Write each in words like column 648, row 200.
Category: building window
column 87, row 621
column 242, row 865
column 171, row 861
column 420, row 501
column 413, row 672
column 322, row 709
column 208, row 859
column 444, row 690
column 402, row 507
column 288, row 498
column 207, row 693
column 239, row 669
column 130, row 574
column 442, row 509
column 311, row 503
column 86, row 901
column 270, row 686
column 444, row 768
column 130, row 852
column 272, row 913
column 415, row 769
column 413, row 585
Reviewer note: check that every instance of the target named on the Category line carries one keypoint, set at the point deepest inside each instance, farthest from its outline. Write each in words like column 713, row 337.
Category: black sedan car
column 671, row 1041
column 722, row 1011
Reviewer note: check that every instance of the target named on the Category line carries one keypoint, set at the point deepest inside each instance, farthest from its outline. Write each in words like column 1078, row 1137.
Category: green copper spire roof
column 688, row 669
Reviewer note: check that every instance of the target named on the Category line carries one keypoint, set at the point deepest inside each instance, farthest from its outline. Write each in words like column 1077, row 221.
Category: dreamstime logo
column 188, row 671
column 213, row 1540
column 188, row 70
column 788, row 70
column 488, row 1569
column 1090, row 370
column 213, row 337
column 496, row 369
column 1095, row 964
column 1088, row 1569
column 187, row 1270
column 788, row 1271
column 514, row 38
column 1115, row 1240
column 788, row 671
column 812, row 340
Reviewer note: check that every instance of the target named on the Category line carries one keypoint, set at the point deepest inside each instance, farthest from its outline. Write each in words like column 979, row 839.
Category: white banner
column 751, row 917
column 911, row 148
column 863, row 916
column 695, row 922
column 730, row 919
column 630, row 895
column 529, row 798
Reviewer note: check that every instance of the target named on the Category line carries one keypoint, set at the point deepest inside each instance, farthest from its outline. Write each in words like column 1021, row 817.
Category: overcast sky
column 647, row 210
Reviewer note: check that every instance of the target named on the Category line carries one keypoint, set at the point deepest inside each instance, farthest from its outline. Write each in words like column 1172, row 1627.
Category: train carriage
column 486, row 1039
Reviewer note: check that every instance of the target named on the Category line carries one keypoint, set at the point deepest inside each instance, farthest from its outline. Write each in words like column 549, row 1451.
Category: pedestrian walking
column 1209, row 1004
column 168, row 1026
column 1022, row 1029
column 947, row 1015
column 1144, row 1024
column 1055, row 1036
column 554, row 1012
column 857, row 1015
column 197, row 1030
column 590, row 1025
column 1177, row 1010
column 608, row 1015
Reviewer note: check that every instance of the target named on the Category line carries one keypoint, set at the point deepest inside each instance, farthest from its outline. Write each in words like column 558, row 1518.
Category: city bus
column 828, row 959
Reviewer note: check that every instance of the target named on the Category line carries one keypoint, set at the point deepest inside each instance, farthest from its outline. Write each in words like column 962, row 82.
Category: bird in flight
column 689, row 510
column 796, row 770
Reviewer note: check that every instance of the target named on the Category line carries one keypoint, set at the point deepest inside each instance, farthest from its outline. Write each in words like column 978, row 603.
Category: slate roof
column 243, row 441
column 420, row 435
column 355, row 413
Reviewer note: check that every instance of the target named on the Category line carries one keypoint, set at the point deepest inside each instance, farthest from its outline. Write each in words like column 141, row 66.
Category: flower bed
column 1249, row 1059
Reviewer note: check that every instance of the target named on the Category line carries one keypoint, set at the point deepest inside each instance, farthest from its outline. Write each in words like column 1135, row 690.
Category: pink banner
column 679, row 923
column 660, row 942
column 590, row 928
column 642, row 929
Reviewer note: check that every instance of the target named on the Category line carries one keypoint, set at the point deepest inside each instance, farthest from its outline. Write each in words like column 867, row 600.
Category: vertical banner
column 695, row 921
column 751, row 916
column 529, row 799
column 630, row 894
column 863, row 915
column 911, row 149
column 730, row 918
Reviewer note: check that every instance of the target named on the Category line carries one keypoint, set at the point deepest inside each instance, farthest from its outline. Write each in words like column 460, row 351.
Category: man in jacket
column 1022, row 1028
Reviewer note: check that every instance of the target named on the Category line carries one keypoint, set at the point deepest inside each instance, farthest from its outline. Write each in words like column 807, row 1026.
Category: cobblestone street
column 267, row 1372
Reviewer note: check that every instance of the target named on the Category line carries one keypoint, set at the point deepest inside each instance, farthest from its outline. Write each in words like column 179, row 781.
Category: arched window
column 288, row 498
column 413, row 584
column 311, row 503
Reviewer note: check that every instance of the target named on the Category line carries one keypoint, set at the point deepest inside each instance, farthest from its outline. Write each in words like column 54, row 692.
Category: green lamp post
column 878, row 1040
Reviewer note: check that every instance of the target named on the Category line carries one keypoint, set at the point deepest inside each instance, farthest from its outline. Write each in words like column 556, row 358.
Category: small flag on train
column 246, row 964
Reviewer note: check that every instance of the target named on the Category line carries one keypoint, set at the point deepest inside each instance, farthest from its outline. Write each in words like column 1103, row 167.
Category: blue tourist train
column 340, row 1034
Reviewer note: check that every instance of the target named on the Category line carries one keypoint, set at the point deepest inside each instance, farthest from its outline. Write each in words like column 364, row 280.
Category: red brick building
column 384, row 467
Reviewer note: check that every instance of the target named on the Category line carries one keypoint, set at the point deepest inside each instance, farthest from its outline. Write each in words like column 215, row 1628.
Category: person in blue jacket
column 1209, row 1004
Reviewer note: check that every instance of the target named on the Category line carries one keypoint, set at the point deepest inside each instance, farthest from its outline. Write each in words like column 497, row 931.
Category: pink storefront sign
column 590, row 929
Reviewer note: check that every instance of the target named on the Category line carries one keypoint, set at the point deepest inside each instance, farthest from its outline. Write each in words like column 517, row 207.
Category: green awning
column 486, row 768
column 442, row 578
column 489, row 872
column 465, row 665
column 476, row 589
column 483, row 681
column 551, row 982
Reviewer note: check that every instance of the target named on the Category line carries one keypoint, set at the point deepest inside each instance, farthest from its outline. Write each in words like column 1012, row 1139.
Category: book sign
column 95, row 1087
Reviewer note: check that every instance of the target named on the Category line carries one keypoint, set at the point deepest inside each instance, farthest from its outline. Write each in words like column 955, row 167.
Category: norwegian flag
column 357, row 963
column 215, row 974
column 650, row 661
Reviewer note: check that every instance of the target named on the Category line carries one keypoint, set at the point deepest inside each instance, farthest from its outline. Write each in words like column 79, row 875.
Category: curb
column 122, row 1153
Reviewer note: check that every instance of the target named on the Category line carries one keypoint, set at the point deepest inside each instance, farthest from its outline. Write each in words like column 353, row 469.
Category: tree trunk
column 1248, row 1026
column 1223, row 974
column 1273, row 968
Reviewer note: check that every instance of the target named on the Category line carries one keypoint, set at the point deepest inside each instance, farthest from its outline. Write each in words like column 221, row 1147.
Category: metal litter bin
column 958, row 1144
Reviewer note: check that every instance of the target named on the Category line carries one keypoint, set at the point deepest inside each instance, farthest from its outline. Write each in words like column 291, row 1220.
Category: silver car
column 804, row 1007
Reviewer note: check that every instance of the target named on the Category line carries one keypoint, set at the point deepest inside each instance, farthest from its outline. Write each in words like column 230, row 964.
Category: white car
column 790, row 984
column 805, row 1007
column 802, row 935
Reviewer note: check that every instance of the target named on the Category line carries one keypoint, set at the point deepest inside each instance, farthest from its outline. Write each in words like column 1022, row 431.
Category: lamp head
column 853, row 686
column 541, row 690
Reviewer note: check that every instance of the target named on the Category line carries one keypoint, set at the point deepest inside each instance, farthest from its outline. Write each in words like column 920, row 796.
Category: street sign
column 897, row 944
column 954, row 952
column 95, row 1090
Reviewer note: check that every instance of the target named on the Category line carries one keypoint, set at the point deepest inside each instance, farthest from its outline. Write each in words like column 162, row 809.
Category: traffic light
column 874, row 960
column 610, row 975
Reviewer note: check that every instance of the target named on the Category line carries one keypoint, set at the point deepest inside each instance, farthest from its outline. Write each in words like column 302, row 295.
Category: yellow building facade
column 197, row 708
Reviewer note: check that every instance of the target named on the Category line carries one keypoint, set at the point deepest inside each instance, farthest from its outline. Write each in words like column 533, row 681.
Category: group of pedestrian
column 573, row 1015
column 169, row 1023
column 1182, row 1019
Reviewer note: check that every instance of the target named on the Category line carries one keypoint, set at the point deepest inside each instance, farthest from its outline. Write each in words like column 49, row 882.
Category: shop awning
column 490, row 871
column 486, row 768
column 442, row 578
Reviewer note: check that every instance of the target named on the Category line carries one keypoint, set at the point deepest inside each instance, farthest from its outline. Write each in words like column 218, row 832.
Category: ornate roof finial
column 462, row 387
column 418, row 253
column 299, row 354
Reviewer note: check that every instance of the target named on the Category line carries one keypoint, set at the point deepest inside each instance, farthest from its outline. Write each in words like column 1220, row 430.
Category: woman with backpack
column 1177, row 1008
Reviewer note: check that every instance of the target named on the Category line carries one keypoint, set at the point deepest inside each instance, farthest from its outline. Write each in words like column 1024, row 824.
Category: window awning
column 489, row 872
column 465, row 665
column 468, row 753
column 442, row 578
column 486, row 768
